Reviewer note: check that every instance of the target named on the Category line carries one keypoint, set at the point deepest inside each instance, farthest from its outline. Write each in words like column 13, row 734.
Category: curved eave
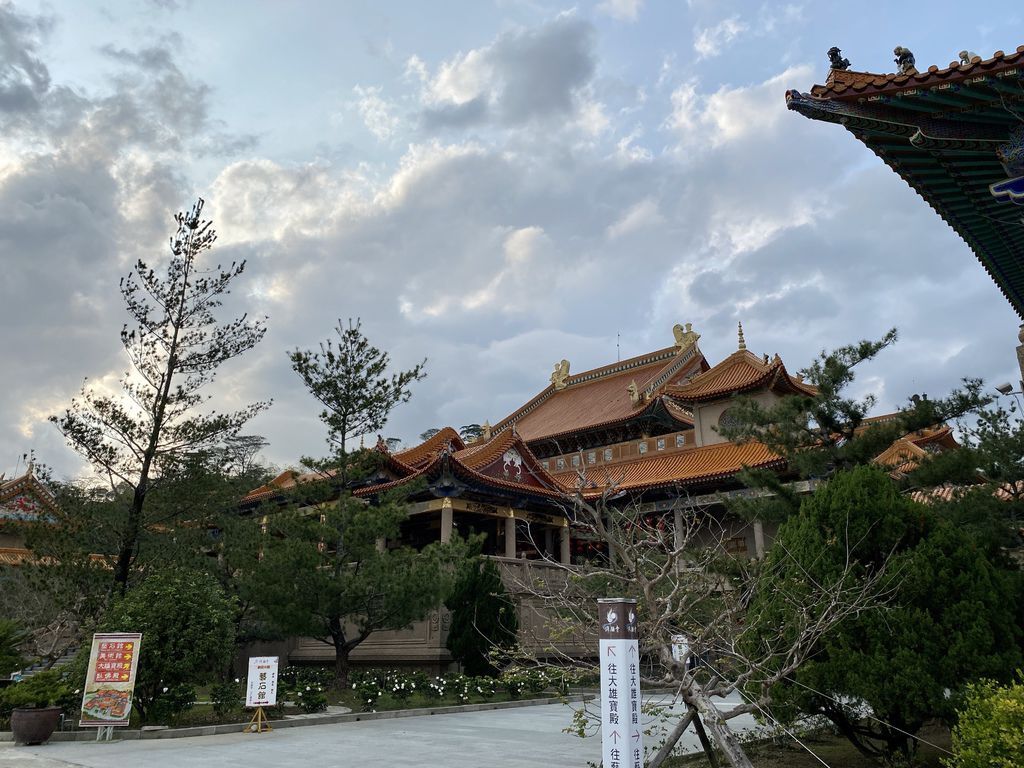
column 952, row 175
column 436, row 467
column 652, row 409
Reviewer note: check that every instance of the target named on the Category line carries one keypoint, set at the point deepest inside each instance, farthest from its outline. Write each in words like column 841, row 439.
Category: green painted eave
column 942, row 141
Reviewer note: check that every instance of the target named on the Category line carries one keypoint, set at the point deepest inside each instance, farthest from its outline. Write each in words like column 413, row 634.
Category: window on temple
column 661, row 443
column 680, row 441
column 575, row 459
column 546, row 465
column 561, row 463
column 592, row 457
column 642, row 446
column 607, row 454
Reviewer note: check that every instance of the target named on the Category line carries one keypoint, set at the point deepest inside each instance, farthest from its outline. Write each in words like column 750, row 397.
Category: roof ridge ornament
column 742, row 342
column 560, row 374
column 634, row 393
column 685, row 336
column 904, row 60
column 836, row 60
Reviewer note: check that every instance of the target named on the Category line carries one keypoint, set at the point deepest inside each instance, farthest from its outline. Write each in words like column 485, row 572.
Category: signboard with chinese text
column 110, row 679
column 680, row 647
column 261, row 686
column 622, row 743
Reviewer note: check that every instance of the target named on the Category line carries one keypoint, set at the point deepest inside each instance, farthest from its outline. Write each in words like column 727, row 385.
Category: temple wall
column 705, row 417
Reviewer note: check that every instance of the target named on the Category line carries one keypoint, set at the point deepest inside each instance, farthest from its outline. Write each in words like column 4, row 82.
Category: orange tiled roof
column 482, row 462
column 849, row 85
column 601, row 396
column 742, row 371
column 417, row 455
column 14, row 555
column 690, row 467
column 949, row 492
column 285, row 481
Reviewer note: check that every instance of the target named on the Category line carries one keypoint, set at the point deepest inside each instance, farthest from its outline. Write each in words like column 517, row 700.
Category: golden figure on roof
column 684, row 336
column 560, row 374
column 742, row 341
column 634, row 393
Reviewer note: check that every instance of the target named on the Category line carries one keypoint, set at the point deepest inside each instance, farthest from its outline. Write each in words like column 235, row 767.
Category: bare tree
column 675, row 563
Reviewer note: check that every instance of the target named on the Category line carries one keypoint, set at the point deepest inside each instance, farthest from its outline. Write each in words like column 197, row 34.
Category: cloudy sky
column 494, row 186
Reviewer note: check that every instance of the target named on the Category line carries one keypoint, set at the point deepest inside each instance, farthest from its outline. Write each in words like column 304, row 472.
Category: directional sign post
column 621, row 738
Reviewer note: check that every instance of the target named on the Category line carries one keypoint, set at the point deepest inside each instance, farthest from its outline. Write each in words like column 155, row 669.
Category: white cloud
column 712, row 41
column 376, row 112
column 640, row 216
column 625, row 10
column 730, row 113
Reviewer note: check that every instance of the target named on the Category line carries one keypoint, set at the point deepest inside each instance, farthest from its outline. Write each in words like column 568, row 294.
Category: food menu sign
column 261, row 687
column 110, row 681
column 622, row 744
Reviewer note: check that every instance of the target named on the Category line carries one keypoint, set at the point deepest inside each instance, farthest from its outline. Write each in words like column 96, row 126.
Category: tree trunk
column 130, row 537
column 341, row 666
column 724, row 737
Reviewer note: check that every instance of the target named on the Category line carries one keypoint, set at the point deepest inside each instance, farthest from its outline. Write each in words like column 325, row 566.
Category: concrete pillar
column 446, row 520
column 564, row 545
column 677, row 528
column 381, row 543
column 510, row 537
column 758, row 539
column 549, row 541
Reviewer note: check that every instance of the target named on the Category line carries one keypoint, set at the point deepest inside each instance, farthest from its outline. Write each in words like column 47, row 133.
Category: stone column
column 564, row 545
column 549, row 541
column 677, row 528
column 381, row 543
column 758, row 539
column 446, row 520
column 510, row 537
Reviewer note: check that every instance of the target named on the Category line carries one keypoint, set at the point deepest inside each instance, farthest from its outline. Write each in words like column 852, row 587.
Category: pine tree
column 175, row 346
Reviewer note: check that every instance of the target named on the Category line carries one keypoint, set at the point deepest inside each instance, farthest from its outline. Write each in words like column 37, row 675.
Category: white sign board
column 622, row 744
column 680, row 647
column 261, row 687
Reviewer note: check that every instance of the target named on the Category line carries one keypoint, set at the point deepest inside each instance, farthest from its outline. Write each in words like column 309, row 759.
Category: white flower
column 237, row 680
column 165, row 689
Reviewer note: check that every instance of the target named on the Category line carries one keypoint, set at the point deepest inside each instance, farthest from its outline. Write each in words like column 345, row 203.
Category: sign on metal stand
column 619, row 655
column 110, row 682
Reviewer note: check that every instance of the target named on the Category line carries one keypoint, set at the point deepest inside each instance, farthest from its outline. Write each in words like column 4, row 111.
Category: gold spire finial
column 487, row 430
column 743, row 344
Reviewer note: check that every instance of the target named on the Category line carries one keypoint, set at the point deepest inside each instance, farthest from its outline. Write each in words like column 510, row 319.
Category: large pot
column 34, row 725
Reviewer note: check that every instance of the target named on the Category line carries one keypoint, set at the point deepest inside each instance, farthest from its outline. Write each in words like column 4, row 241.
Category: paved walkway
column 530, row 737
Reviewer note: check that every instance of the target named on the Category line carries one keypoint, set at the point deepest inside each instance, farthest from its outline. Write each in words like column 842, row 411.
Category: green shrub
column 227, row 698
column 43, row 689
column 11, row 637
column 311, row 699
column 188, row 636
column 990, row 731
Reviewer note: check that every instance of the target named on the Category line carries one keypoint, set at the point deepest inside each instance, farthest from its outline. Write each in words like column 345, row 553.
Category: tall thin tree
column 175, row 345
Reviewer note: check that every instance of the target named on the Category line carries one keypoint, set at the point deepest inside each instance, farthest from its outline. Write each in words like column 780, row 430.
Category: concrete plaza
column 518, row 738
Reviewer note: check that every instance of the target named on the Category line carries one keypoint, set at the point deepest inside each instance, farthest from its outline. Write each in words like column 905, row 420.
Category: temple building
column 645, row 427
column 24, row 501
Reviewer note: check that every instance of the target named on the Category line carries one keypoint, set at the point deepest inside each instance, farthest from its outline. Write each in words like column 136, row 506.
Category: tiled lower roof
column 695, row 466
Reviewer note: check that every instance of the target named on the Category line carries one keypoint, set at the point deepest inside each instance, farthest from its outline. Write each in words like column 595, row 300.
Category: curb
column 305, row 720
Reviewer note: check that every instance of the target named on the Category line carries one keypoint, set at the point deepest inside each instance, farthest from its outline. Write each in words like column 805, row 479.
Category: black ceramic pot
column 34, row 725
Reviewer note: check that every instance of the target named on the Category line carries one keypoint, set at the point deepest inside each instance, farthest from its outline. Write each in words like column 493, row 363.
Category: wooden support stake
column 705, row 742
column 259, row 722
